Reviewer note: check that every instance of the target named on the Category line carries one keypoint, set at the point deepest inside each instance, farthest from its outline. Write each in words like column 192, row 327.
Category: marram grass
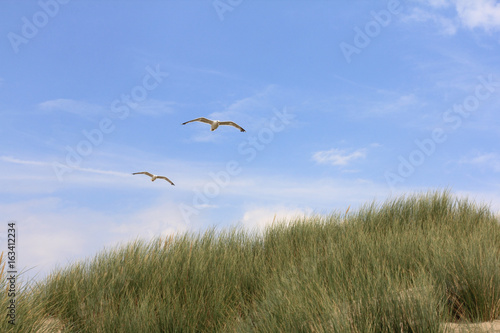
column 407, row 265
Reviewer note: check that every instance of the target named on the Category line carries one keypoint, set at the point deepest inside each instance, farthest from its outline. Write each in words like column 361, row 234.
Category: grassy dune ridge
column 408, row 265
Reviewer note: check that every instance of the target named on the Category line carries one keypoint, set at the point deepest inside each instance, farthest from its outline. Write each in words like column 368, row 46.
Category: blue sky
column 343, row 102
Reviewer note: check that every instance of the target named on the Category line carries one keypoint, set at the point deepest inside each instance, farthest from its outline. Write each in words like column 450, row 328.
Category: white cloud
column 338, row 156
column 257, row 101
column 257, row 219
column 11, row 159
column 252, row 112
column 205, row 136
column 399, row 104
column 486, row 160
column 439, row 3
column 479, row 13
column 72, row 106
column 286, row 199
column 53, row 233
column 470, row 14
column 383, row 104
column 149, row 107
column 446, row 25
column 488, row 198
column 47, row 233
column 154, row 107
column 159, row 219
column 39, row 176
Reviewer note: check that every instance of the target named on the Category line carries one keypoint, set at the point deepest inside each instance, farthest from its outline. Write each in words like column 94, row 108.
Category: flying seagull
column 216, row 123
column 153, row 177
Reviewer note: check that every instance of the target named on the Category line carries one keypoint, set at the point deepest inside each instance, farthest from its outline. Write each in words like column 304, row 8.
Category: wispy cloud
column 104, row 172
column 258, row 218
column 437, row 3
column 149, row 107
column 154, row 107
column 479, row 13
column 446, row 26
column 11, row 159
column 158, row 219
column 201, row 70
column 112, row 171
column 80, row 108
column 56, row 231
column 251, row 112
column 206, row 136
column 381, row 104
column 399, row 104
column 50, row 175
column 338, row 157
column 261, row 100
column 360, row 84
column 49, row 164
column 484, row 160
column 484, row 14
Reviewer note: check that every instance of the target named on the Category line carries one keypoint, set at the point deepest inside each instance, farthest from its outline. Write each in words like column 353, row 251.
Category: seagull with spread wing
column 153, row 177
column 215, row 123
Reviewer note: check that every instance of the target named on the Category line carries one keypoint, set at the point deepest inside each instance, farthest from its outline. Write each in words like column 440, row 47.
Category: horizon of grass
column 409, row 264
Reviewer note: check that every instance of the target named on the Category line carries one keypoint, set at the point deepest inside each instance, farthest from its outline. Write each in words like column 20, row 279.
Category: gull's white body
column 215, row 123
column 153, row 177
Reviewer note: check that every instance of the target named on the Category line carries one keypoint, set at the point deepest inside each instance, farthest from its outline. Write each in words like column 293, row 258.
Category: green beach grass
column 407, row 265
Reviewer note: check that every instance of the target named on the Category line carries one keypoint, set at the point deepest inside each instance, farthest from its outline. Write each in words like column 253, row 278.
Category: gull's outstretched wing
column 232, row 123
column 143, row 173
column 168, row 180
column 202, row 119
